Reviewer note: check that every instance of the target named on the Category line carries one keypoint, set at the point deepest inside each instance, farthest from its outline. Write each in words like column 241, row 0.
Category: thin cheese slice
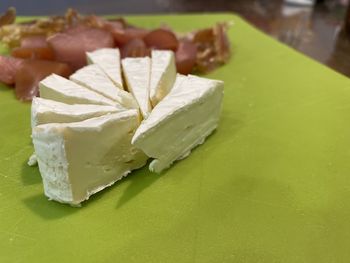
column 93, row 78
column 79, row 159
column 57, row 88
column 163, row 74
column 49, row 111
column 108, row 59
column 181, row 121
column 137, row 75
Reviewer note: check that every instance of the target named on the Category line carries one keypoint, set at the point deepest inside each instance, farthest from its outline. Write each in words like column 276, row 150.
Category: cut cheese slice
column 137, row 75
column 181, row 121
column 49, row 111
column 163, row 74
column 57, row 88
column 79, row 159
column 93, row 78
column 108, row 59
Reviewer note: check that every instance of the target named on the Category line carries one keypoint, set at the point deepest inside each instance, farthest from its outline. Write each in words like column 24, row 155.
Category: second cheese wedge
column 93, row 78
column 50, row 111
column 137, row 73
column 108, row 59
column 79, row 159
column 60, row 89
column 163, row 74
column 181, row 121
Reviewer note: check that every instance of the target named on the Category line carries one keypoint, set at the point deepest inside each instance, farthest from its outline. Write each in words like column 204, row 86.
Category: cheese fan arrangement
column 91, row 130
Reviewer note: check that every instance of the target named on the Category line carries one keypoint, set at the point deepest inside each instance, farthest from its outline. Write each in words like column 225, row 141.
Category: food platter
column 270, row 185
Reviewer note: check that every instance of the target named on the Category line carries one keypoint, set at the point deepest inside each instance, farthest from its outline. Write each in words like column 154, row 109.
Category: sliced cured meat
column 213, row 47
column 99, row 22
column 45, row 53
column 8, row 68
column 135, row 48
column 185, row 57
column 222, row 43
column 161, row 39
column 123, row 36
column 32, row 72
column 112, row 26
column 35, row 47
column 70, row 47
column 204, row 35
column 34, row 41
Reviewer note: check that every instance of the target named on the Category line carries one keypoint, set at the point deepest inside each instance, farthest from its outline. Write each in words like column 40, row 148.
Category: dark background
column 316, row 31
column 42, row 7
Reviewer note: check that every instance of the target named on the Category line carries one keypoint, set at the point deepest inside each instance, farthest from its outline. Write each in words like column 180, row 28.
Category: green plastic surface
column 272, row 184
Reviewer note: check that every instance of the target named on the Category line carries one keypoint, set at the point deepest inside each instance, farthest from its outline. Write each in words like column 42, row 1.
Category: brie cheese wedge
column 137, row 75
column 93, row 78
column 79, row 159
column 60, row 89
column 87, row 130
column 163, row 74
column 108, row 59
column 181, row 121
column 50, row 111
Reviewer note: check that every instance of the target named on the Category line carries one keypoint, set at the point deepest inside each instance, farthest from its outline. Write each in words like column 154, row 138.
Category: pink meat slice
column 32, row 72
column 135, row 48
column 185, row 57
column 123, row 36
column 70, row 46
column 34, row 42
column 8, row 68
column 162, row 38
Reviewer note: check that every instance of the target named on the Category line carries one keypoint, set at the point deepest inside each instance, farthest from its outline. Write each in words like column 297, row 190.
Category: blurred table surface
column 315, row 31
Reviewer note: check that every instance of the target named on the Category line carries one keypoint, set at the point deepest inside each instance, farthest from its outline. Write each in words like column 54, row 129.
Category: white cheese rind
column 137, row 75
column 79, row 159
column 93, row 78
column 60, row 89
column 108, row 59
column 49, row 111
column 163, row 74
column 181, row 121
column 53, row 165
column 32, row 161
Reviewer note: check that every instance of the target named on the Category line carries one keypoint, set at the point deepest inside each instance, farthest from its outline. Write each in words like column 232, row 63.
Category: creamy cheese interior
column 137, row 76
column 93, row 78
column 163, row 74
column 181, row 121
column 57, row 88
column 50, row 111
column 108, row 59
column 79, row 159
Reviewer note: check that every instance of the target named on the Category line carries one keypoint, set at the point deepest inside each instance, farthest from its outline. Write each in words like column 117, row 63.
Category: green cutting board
column 272, row 184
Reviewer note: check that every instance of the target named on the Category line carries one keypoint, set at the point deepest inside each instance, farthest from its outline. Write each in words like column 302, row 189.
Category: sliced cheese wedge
column 108, row 59
column 181, row 121
column 163, row 74
column 79, row 159
column 137, row 75
column 57, row 88
column 93, row 78
column 50, row 111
